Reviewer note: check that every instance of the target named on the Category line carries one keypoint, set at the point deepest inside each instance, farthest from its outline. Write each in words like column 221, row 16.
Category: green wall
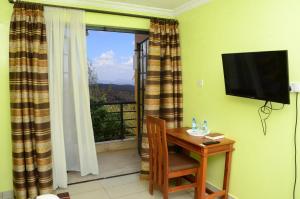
column 263, row 166
column 5, row 134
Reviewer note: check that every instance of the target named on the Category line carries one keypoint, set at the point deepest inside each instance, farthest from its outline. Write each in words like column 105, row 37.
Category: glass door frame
column 142, row 63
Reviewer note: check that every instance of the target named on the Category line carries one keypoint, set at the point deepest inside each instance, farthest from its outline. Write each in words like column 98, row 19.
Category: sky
column 111, row 55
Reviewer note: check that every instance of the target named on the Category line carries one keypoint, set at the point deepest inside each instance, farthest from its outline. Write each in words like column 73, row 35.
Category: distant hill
column 113, row 92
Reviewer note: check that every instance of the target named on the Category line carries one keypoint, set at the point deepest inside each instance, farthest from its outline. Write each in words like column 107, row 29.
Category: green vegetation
column 107, row 121
column 113, row 110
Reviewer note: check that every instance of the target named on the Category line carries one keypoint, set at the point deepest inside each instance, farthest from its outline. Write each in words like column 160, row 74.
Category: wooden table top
column 195, row 140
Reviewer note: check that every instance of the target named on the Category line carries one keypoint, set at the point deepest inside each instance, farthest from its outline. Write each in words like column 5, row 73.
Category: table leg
column 202, row 178
column 227, row 173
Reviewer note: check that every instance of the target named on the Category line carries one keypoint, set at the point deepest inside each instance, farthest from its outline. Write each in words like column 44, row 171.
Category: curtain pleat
column 55, row 39
column 163, row 90
column 32, row 164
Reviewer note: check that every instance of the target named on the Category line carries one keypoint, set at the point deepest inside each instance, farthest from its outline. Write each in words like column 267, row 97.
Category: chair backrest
column 158, row 149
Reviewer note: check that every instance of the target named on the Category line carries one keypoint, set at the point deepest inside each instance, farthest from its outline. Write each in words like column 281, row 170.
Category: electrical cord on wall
column 266, row 110
column 295, row 147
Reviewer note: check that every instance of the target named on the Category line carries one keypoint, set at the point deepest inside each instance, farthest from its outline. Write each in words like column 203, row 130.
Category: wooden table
column 179, row 137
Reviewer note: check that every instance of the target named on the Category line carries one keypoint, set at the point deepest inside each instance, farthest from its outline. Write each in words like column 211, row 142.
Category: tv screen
column 258, row 75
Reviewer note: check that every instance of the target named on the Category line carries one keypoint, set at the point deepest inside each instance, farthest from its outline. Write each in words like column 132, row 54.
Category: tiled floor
column 125, row 187
column 111, row 164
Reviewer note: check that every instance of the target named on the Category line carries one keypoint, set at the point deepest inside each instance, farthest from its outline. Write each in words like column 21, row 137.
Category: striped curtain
column 163, row 94
column 32, row 164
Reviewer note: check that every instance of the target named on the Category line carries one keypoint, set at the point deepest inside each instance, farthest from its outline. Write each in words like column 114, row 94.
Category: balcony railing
column 113, row 121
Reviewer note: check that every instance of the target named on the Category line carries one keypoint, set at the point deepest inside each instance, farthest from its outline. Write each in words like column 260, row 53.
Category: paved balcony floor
column 112, row 163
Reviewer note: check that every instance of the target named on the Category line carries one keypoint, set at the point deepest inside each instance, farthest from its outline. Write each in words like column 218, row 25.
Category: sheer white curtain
column 71, row 125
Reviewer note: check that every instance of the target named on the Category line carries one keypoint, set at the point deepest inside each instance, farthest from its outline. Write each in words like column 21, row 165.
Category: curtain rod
column 95, row 11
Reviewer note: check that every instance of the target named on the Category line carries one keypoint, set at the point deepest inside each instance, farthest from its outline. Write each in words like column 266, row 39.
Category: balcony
column 114, row 121
column 115, row 130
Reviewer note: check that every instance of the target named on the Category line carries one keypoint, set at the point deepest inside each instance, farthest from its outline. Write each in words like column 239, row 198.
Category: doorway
column 117, row 61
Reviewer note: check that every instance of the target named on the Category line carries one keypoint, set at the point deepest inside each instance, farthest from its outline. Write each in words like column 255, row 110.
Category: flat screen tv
column 257, row 75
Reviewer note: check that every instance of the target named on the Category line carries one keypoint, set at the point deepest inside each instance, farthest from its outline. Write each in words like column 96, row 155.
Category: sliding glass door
column 142, row 59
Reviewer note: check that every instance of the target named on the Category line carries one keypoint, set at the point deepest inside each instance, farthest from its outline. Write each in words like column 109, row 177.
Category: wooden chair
column 164, row 165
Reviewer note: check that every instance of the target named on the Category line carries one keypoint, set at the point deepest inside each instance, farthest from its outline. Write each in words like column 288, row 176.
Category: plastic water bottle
column 200, row 126
column 205, row 126
column 194, row 124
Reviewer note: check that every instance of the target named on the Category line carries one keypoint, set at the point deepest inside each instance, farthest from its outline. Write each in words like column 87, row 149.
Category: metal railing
column 113, row 121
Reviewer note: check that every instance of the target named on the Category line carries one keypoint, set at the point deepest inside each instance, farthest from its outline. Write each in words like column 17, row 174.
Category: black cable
column 277, row 109
column 266, row 109
column 295, row 147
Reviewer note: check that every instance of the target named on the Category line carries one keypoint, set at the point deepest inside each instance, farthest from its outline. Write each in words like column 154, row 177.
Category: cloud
column 129, row 61
column 105, row 59
column 111, row 68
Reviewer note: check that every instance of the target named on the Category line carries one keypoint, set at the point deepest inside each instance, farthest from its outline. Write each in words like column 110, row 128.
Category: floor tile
column 84, row 187
column 139, row 195
column 113, row 182
column 125, row 189
column 181, row 195
column 99, row 194
column 157, row 195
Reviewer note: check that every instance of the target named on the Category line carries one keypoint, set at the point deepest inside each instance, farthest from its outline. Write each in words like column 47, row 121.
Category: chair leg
column 151, row 184
column 151, row 187
column 166, row 188
column 165, row 194
column 197, row 188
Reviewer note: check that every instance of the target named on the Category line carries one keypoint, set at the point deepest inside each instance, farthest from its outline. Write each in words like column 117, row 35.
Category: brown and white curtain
column 32, row 164
column 163, row 94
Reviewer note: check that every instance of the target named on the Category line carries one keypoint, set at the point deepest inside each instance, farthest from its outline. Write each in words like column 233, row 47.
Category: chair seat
column 178, row 161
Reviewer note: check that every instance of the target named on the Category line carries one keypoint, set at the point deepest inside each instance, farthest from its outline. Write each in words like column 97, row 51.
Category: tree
column 93, row 79
column 96, row 95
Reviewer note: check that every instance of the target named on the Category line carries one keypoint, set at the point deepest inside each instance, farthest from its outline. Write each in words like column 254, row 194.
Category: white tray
column 197, row 132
